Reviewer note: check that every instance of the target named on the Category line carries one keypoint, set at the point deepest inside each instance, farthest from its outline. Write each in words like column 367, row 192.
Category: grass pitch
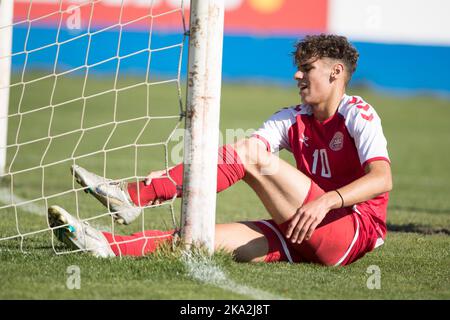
column 414, row 262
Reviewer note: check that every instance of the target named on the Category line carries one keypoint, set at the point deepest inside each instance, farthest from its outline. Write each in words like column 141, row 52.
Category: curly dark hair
column 327, row 46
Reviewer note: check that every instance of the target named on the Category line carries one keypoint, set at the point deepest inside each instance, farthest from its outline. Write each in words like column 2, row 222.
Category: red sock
column 229, row 170
column 138, row 244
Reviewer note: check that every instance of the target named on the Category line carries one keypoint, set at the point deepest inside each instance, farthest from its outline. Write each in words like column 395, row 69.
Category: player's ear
column 337, row 71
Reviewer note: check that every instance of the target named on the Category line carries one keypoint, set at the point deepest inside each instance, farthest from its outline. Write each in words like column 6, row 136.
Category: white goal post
column 6, row 19
column 202, row 123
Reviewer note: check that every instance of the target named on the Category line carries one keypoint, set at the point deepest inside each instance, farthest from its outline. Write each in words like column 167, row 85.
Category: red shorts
column 341, row 238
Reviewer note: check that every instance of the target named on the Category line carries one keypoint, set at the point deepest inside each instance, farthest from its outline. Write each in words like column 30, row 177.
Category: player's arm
column 377, row 180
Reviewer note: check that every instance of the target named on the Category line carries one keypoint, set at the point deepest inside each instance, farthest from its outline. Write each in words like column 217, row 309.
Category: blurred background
column 404, row 44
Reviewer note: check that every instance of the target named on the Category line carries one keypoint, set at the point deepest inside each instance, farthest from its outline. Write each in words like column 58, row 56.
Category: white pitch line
column 5, row 197
column 201, row 268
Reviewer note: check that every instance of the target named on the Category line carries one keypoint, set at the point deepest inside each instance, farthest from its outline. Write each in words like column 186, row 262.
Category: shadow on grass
column 29, row 245
column 417, row 228
column 420, row 210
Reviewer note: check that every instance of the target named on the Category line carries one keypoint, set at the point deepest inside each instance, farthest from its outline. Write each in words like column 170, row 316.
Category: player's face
column 313, row 80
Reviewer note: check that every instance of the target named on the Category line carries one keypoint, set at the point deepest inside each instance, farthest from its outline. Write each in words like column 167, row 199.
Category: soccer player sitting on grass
column 330, row 209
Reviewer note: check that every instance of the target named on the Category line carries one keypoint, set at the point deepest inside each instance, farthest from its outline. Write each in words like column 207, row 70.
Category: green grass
column 414, row 261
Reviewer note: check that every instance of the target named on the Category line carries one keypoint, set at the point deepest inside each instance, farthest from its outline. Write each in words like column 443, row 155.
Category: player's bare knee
column 252, row 154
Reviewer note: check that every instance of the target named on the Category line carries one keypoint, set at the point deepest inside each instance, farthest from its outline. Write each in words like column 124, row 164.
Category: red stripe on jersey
column 375, row 159
column 354, row 100
column 365, row 107
column 368, row 118
column 263, row 140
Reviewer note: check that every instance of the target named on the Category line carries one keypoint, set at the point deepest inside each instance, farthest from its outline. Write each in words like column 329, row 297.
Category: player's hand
column 306, row 219
column 148, row 180
column 155, row 174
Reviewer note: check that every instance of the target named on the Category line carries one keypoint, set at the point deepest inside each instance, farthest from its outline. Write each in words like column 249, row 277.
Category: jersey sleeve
column 364, row 125
column 274, row 131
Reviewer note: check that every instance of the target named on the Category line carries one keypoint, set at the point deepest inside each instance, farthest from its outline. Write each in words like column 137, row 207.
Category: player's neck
column 327, row 108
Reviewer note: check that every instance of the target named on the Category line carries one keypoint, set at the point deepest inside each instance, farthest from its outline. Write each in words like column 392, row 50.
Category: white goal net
column 97, row 83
